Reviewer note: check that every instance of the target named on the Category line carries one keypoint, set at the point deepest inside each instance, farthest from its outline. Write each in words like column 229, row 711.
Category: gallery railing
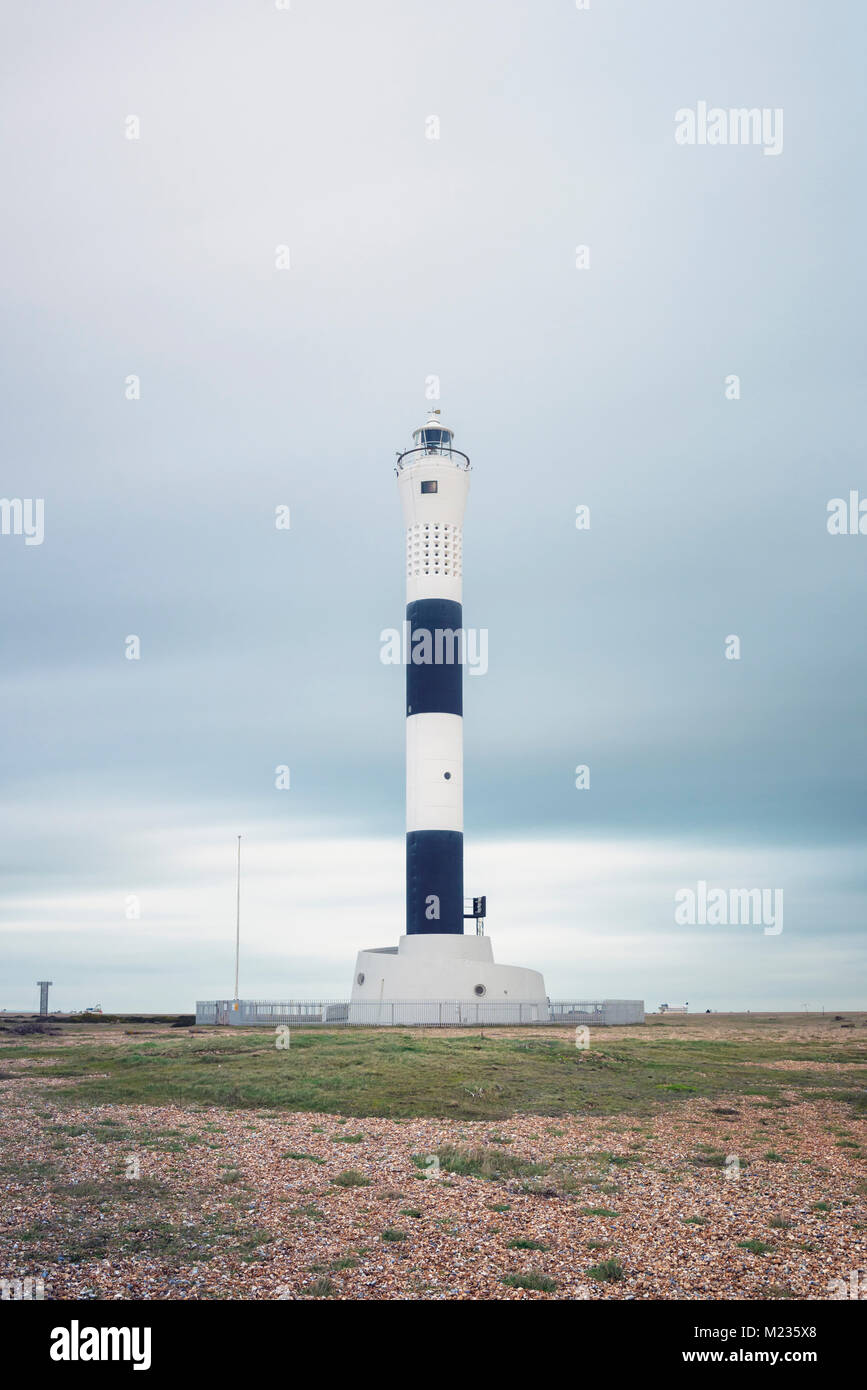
column 426, row 1013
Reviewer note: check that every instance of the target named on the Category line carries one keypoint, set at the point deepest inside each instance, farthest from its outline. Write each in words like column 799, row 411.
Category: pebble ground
column 233, row 1204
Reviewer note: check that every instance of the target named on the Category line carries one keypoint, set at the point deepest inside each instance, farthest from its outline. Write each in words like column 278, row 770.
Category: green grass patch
column 709, row 1160
column 357, row 1072
column 539, row 1283
column 489, row 1164
column 607, row 1272
column 320, row 1288
column 310, row 1211
column 351, row 1178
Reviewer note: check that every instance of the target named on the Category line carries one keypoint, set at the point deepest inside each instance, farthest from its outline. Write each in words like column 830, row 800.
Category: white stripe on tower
column 434, row 480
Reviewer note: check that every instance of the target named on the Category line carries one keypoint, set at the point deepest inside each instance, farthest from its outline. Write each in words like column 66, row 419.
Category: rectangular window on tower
column 429, row 487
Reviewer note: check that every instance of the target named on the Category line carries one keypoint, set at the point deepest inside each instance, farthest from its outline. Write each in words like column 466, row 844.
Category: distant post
column 43, row 996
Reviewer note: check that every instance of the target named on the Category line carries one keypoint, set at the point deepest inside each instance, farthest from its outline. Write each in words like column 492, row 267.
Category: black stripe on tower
column 435, row 858
column 435, row 687
column 434, row 867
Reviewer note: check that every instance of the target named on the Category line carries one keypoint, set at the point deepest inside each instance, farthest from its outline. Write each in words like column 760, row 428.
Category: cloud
column 597, row 917
column 605, row 388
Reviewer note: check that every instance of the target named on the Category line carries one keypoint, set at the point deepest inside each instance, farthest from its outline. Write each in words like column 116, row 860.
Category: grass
column 116, row 1219
column 482, row 1163
column 27, row 1172
column 320, row 1288
column 124, row 1190
column 607, row 1272
column 540, row 1283
column 405, row 1074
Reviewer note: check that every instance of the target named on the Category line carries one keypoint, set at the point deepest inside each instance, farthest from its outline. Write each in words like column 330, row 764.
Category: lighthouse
column 433, row 480
column 436, row 966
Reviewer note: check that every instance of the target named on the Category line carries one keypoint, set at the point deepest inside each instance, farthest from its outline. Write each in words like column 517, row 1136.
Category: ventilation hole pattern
column 434, row 548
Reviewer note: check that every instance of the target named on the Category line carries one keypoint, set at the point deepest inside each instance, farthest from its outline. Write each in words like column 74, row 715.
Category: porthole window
column 360, row 977
column 447, row 776
column 480, row 990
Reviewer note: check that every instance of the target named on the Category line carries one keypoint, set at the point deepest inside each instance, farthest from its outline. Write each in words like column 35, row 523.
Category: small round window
column 360, row 977
column 447, row 776
column 480, row 990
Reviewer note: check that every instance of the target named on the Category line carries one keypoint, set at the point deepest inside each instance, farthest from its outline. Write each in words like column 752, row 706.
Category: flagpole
column 238, row 922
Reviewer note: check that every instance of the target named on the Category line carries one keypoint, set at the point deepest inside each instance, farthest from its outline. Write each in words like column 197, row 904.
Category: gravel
column 282, row 1223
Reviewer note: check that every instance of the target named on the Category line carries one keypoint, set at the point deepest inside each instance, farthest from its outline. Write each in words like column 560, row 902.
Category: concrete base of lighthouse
column 438, row 979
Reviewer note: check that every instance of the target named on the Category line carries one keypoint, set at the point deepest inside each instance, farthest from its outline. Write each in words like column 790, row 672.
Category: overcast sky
column 126, row 781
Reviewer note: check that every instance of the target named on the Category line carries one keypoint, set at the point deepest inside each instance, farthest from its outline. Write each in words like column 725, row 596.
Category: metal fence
column 425, row 1013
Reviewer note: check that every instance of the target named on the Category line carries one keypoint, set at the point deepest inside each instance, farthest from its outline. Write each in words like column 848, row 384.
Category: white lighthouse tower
column 435, row 966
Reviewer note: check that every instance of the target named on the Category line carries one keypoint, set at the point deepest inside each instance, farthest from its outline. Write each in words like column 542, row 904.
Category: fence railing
column 426, row 1013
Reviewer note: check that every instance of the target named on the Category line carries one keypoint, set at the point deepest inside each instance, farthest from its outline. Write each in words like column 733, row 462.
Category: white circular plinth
column 443, row 970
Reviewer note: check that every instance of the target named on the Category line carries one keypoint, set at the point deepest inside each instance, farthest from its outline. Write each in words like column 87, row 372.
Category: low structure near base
column 440, row 967
column 426, row 1013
